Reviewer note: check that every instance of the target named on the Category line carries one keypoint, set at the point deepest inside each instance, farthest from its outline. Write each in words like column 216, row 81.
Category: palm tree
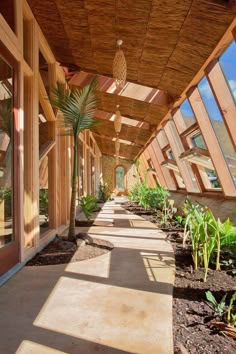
column 78, row 108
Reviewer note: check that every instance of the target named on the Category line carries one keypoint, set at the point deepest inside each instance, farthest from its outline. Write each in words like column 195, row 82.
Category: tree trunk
column 71, row 232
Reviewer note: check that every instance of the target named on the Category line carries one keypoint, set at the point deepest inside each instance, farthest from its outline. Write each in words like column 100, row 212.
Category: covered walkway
column 120, row 302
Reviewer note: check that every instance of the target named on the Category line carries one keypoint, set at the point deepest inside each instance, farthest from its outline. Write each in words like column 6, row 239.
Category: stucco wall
column 108, row 169
column 222, row 208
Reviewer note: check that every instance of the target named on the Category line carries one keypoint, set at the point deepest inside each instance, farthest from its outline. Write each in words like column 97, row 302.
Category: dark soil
column 60, row 251
column 191, row 314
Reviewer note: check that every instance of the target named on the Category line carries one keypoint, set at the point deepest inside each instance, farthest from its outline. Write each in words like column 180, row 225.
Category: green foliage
column 88, row 204
column 148, row 197
column 77, row 106
column 231, row 315
column 180, row 220
column 218, row 308
column 78, row 109
column 168, row 211
column 5, row 194
column 207, row 234
column 227, row 313
column 103, row 193
column 43, row 203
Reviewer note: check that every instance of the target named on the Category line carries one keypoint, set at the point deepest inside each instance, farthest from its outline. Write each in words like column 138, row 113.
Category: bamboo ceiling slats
column 127, row 151
column 139, row 110
column 165, row 44
column 133, row 134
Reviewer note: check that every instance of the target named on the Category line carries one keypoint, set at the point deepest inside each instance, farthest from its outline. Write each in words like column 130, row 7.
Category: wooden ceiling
column 165, row 45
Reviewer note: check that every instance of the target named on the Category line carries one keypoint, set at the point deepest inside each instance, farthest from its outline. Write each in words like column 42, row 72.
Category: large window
column 228, row 64
column 6, row 153
column 120, row 178
column 218, row 126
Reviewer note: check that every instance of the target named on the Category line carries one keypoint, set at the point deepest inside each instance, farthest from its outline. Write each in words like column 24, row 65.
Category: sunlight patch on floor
column 99, row 266
column 155, row 265
column 28, row 347
column 114, row 316
column 142, row 223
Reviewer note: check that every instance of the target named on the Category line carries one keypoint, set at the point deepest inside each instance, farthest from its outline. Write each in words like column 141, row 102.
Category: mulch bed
column 60, row 251
column 191, row 315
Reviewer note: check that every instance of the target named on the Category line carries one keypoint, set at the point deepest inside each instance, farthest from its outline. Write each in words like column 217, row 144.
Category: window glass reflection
column 198, row 141
column 228, row 64
column 6, row 153
column 187, row 114
column 218, row 126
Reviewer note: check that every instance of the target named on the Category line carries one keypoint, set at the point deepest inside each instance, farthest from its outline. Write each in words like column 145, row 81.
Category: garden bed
column 191, row 314
column 60, row 251
column 192, row 331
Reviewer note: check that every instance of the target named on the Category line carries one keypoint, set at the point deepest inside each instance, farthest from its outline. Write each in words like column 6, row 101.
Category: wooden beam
column 223, row 97
column 44, row 101
column 45, row 148
column 110, row 138
column 212, row 143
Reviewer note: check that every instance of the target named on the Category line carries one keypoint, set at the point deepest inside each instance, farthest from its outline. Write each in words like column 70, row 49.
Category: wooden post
column 223, row 97
column 52, row 159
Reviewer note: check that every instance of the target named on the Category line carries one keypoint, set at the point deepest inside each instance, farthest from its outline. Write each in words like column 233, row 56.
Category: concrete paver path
column 120, row 302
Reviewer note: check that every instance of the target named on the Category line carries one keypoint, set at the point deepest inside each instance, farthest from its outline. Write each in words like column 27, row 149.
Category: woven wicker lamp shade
column 119, row 66
column 117, row 121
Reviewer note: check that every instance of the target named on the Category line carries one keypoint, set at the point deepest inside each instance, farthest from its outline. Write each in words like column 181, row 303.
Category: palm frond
column 77, row 106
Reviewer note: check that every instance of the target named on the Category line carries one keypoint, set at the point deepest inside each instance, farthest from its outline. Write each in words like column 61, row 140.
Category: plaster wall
column 108, row 170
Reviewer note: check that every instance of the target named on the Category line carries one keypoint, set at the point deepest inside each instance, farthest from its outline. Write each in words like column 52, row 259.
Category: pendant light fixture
column 119, row 66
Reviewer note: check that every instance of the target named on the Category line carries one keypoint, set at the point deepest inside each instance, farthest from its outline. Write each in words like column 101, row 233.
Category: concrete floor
column 120, row 302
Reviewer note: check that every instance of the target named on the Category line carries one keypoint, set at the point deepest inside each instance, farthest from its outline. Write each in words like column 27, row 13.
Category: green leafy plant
column 43, row 203
column 226, row 312
column 88, row 204
column 103, row 192
column 207, row 235
column 217, row 307
column 147, row 197
column 168, row 211
column 231, row 316
column 180, row 220
column 78, row 109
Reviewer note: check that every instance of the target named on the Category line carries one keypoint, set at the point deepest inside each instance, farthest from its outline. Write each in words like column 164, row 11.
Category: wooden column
column 184, row 166
column 212, row 143
column 52, row 158
column 179, row 121
column 223, row 97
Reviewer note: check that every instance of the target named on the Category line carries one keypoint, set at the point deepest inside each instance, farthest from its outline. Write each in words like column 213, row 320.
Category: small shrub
column 103, row 193
column 88, row 204
column 43, row 203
